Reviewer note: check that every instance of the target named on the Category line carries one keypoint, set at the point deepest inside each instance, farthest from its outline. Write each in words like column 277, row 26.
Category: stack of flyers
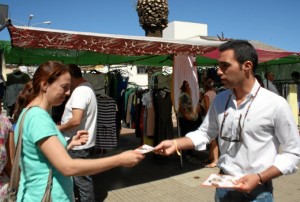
column 224, row 181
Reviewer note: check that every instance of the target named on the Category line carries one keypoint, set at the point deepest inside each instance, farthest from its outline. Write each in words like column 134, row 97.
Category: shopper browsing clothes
column 45, row 148
column 250, row 123
column 209, row 96
column 189, row 119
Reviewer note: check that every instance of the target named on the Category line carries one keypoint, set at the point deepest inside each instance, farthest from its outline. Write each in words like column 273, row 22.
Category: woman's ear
column 44, row 86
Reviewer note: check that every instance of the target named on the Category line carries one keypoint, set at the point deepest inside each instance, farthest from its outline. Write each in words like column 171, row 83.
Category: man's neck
column 78, row 81
column 243, row 90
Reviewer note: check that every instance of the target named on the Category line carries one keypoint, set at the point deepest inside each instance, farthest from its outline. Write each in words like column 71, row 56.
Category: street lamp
column 48, row 22
column 45, row 22
column 30, row 18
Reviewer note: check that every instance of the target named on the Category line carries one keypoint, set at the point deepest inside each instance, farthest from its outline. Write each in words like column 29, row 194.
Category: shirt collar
column 255, row 88
column 252, row 92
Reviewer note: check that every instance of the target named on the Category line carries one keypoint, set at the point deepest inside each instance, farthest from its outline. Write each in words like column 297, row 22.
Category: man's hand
column 247, row 183
column 165, row 148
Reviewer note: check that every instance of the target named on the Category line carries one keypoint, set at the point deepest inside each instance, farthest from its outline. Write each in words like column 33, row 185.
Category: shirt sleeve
column 206, row 132
column 41, row 125
column 81, row 97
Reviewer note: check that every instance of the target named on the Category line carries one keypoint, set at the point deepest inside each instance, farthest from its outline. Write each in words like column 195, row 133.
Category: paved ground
column 158, row 179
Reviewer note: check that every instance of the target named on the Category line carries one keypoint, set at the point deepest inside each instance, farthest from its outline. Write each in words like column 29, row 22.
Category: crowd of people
column 245, row 125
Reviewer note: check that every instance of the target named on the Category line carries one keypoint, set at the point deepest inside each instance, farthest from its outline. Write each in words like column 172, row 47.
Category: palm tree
column 153, row 16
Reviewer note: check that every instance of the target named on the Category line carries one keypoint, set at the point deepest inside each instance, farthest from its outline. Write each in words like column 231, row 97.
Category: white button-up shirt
column 269, row 123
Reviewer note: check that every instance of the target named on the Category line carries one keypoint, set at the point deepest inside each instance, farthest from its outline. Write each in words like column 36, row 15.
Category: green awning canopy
column 291, row 59
column 35, row 56
column 33, row 46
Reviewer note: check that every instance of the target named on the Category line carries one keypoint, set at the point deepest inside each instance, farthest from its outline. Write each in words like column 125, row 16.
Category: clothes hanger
column 17, row 71
column 93, row 71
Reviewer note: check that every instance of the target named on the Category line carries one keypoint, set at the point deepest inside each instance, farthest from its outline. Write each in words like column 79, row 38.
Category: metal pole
column 179, row 135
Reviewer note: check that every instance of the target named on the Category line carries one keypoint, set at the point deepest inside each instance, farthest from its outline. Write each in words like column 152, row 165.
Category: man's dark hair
column 243, row 51
column 295, row 75
column 75, row 71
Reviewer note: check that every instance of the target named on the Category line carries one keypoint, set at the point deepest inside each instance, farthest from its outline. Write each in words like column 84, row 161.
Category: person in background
column 44, row 146
column 259, row 79
column 6, row 147
column 209, row 96
column 80, row 113
column 268, row 83
column 295, row 76
column 189, row 119
column 251, row 123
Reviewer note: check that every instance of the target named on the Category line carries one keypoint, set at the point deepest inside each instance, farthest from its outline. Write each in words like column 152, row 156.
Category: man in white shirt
column 81, row 114
column 250, row 124
column 268, row 82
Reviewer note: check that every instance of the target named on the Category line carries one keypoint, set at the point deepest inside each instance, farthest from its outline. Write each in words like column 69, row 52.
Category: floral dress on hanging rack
column 5, row 128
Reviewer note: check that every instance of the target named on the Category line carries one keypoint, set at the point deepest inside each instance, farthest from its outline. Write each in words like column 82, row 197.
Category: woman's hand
column 79, row 139
column 130, row 158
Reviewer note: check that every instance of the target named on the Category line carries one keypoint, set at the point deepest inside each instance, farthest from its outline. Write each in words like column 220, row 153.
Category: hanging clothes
column 149, row 114
column 163, row 115
column 106, row 137
column 97, row 80
column 138, row 113
column 14, row 84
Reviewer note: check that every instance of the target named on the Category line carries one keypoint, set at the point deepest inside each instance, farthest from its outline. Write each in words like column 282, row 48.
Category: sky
column 274, row 22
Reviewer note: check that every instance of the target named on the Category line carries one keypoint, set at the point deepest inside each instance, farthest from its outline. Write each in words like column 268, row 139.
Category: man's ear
column 248, row 66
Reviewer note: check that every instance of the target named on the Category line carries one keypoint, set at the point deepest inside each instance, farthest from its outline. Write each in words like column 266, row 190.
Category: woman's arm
column 60, row 159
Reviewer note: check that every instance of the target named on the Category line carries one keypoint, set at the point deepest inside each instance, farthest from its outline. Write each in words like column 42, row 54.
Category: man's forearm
column 184, row 143
column 269, row 174
column 68, row 125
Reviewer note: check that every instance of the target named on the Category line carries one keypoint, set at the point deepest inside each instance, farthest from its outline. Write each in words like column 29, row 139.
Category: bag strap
column 14, row 175
column 47, row 194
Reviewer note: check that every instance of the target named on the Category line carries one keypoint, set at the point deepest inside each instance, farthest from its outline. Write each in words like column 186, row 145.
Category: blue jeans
column 262, row 193
column 83, row 185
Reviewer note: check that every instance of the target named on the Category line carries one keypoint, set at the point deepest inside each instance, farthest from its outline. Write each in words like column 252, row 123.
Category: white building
column 185, row 30
column 175, row 30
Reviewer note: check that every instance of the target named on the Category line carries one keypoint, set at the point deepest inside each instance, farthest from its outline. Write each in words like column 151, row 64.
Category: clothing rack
column 121, row 71
column 286, row 81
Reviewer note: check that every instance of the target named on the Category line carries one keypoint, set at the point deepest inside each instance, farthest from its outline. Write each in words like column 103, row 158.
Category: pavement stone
column 163, row 179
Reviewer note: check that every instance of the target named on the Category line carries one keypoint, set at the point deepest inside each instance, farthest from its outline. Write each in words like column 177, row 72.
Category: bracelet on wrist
column 176, row 148
column 260, row 180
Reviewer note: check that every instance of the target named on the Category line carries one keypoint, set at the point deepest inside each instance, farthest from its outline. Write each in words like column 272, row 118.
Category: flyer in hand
column 224, row 181
column 145, row 149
